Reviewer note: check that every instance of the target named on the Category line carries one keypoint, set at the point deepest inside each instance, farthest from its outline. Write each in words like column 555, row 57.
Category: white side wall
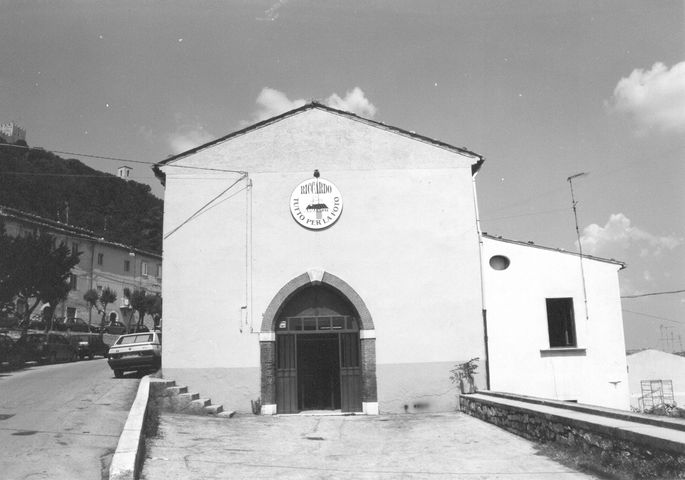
column 521, row 360
column 406, row 243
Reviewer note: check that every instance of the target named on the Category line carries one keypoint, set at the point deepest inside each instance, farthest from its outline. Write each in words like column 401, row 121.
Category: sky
column 542, row 89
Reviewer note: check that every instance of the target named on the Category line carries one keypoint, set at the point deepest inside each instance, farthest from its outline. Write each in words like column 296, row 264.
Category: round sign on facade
column 316, row 203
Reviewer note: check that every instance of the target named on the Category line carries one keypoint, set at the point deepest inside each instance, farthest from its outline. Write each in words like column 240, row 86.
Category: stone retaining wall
column 610, row 447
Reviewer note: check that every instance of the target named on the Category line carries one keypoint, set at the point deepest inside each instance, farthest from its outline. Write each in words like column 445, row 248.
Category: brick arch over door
column 367, row 334
column 315, row 278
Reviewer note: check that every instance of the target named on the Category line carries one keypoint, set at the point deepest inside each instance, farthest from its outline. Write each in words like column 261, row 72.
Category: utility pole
column 580, row 245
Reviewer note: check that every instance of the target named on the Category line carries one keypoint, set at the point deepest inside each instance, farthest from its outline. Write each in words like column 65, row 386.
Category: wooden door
column 350, row 373
column 286, row 373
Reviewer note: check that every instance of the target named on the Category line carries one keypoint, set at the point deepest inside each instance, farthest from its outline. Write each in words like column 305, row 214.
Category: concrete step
column 177, row 403
column 189, row 396
column 214, row 409
column 158, row 386
column 176, row 390
column 176, row 398
column 197, row 406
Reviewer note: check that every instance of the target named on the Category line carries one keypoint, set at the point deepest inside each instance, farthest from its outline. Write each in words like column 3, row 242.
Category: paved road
column 62, row 421
column 435, row 446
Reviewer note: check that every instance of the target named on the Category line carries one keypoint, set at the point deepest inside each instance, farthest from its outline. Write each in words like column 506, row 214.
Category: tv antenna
column 580, row 245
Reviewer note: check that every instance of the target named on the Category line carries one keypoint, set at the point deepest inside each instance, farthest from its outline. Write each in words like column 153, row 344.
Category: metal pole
column 580, row 245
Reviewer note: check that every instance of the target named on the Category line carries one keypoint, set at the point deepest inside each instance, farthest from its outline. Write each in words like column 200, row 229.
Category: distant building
column 102, row 264
column 11, row 132
column 654, row 376
column 124, row 172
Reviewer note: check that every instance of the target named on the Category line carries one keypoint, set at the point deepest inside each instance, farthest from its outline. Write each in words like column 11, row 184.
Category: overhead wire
column 652, row 294
column 525, row 214
column 595, row 174
column 119, row 159
column 652, row 316
column 205, row 207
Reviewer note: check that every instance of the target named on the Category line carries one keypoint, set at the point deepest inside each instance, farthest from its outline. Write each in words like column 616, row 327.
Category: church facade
column 322, row 261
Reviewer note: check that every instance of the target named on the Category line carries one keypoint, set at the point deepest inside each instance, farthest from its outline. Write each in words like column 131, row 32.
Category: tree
column 99, row 301
column 91, row 297
column 141, row 303
column 35, row 269
column 107, row 296
column 8, row 289
column 131, row 310
column 156, row 310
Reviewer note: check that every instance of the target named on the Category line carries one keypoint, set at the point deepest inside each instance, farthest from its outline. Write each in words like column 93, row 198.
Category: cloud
column 654, row 98
column 355, row 102
column 271, row 102
column 618, row 236
column 271, row 14
column 188, row 135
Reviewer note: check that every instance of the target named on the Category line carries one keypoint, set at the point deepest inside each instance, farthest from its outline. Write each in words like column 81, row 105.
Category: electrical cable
column 651, row 316
column 490, row 219
column 104, row 176
column 118, row 159
column 652, row 294
column 204, row 207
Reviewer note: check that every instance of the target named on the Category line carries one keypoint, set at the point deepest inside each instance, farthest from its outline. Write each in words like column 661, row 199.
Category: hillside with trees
column 42, row 183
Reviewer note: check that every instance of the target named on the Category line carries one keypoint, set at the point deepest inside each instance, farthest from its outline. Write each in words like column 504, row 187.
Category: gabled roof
column 552, row 249
column 316, row 105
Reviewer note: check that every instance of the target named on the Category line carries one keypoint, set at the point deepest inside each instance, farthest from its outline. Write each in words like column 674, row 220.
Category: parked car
column 136, row 351
column 138, row 328
column 10, row 352
column 115, row 328
column 71, row 325
column 33, row 325
column 50, row 347
column 9, row 320
column 89, row 345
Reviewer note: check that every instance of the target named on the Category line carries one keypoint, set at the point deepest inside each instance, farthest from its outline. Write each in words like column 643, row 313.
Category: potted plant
column 462, row 373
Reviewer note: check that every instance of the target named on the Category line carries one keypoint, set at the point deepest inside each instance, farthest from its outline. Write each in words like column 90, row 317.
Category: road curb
column 126, row 460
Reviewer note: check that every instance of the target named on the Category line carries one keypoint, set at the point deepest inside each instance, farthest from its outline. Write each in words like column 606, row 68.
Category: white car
column 136, row 351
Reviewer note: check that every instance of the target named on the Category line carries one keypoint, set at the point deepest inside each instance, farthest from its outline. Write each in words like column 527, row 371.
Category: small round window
column 499, row 262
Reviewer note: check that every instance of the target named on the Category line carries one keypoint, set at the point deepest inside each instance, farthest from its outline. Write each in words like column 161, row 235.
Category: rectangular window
column 74, row 248
column 72, row 281
column 127, row 265
column 101, row 258
column 143, row 268
column 159, row 270
column 560, row 322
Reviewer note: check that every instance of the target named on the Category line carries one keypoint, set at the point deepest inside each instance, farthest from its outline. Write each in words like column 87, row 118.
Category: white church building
column 321, row 261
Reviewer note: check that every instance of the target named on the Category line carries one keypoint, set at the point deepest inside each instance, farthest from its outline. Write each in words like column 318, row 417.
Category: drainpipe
column 482, row 284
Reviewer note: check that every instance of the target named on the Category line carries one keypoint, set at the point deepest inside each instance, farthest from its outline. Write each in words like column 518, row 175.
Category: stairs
column 175, row 398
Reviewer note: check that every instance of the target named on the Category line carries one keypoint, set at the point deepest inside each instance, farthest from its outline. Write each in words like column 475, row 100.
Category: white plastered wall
column 406, row 242
column 521, row 360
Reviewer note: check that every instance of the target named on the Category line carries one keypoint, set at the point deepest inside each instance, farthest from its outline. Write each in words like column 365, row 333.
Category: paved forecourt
column 448, row 445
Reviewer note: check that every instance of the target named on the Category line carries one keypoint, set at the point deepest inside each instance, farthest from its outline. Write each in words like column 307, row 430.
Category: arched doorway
column 317, row 348
column 317, row 353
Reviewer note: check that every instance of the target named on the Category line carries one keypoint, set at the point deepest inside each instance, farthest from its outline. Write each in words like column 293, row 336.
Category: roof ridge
column 69, row 229
column 314, row 104
column 553, row 249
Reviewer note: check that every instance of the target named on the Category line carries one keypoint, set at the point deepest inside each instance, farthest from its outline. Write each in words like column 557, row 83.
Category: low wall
column 611, row 446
